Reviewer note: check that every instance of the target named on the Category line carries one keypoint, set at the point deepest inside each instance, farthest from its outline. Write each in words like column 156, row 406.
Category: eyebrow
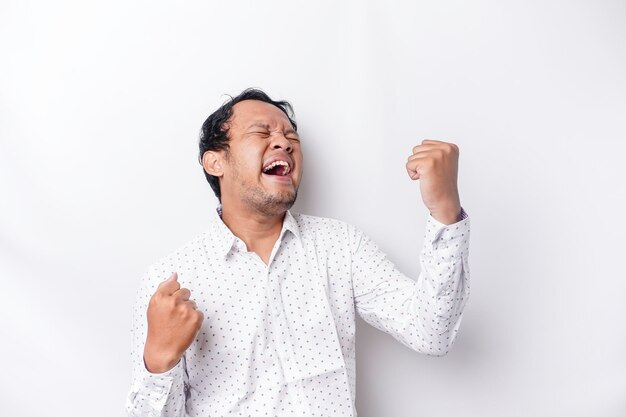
column 259, row 124
column 267, row 126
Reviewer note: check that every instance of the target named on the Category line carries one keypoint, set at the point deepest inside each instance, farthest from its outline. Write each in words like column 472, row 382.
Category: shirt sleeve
column 153, row 394
column 423, row 314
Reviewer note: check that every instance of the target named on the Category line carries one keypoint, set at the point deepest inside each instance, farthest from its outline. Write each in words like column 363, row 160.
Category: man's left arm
column 424, row 314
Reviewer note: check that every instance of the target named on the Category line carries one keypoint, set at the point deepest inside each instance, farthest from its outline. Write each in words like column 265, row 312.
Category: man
column 256, row 316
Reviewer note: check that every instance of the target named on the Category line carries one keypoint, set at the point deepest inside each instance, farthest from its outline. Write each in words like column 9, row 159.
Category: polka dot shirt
column 279, row 339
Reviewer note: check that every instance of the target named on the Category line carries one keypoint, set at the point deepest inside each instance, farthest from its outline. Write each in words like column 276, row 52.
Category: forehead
column 249, row 111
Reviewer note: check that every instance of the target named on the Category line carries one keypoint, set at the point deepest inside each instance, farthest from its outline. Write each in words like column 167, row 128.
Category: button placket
column 279, row 322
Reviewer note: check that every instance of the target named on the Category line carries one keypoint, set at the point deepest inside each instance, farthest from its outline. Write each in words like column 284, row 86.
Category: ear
column 212, row 163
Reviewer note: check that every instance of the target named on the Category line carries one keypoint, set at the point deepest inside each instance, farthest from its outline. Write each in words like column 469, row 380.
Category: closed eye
column 267, row 134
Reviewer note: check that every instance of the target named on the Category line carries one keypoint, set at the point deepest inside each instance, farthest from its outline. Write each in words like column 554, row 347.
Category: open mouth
column 278, row 168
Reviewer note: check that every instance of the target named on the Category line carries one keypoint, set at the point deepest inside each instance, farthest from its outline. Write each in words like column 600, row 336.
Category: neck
column 256, row 229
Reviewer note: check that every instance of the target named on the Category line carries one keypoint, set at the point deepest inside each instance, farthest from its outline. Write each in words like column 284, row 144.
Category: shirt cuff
column 159, row 385
column 448, row 240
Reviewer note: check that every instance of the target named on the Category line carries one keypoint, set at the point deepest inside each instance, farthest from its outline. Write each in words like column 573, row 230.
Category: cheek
column 252, row 161
column 300, row 164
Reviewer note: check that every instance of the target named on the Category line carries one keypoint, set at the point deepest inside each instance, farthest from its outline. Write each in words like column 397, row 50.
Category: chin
column 277, row 203
column 286, row 200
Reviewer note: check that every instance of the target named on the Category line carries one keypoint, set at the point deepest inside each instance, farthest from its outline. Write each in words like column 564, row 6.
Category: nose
column 279, row 141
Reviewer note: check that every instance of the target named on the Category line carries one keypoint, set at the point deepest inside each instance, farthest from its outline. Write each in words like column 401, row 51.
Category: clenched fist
column 173, row 323
column 435, row 164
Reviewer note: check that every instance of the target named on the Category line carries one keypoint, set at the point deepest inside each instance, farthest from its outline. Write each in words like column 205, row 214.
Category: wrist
column 158, row 361
column 448, row 215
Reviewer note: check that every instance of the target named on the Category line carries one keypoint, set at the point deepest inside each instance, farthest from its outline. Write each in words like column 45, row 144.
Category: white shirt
column 279, row 339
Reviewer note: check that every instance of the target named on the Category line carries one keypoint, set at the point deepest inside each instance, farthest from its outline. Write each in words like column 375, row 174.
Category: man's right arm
column 164, row 325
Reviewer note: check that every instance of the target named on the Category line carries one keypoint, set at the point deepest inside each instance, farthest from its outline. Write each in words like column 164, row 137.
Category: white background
column 100, row 108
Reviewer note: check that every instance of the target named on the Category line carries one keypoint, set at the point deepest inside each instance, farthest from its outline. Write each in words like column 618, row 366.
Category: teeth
column 273, row 164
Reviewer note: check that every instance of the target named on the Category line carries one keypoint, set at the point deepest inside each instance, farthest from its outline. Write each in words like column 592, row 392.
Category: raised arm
column 424, row 314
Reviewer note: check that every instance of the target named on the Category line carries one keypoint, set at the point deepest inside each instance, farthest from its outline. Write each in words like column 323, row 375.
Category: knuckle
column 155, row 299
column 184, row 311
column 170, row 303
column 197, row 318
column 452, row 148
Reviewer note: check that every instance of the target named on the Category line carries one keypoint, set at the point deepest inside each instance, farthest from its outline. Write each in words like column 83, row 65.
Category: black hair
column 214, row 132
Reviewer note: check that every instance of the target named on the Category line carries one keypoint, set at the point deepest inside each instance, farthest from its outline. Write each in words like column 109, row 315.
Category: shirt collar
column 221, row 239
column 290, row 224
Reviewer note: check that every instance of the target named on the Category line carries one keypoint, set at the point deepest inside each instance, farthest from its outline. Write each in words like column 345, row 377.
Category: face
column 262, row 170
